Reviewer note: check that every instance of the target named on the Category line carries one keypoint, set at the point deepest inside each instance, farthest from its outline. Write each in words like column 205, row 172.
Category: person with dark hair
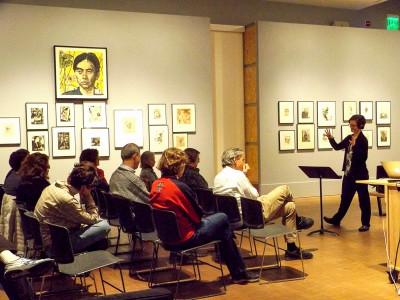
column 191, row 176
column 170, row 193
column 13, row 179
column 70, row 204
column 87, row 71
column 34, row 174
column 355, row 168
column 92, row 155
column 147, row 174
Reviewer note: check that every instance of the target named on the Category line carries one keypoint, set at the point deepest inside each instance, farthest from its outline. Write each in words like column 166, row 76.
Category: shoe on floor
column 23, row 267
column 245, row 278
column 304, row 223
column 363, row 228
column 293, row 255
column 331, row 221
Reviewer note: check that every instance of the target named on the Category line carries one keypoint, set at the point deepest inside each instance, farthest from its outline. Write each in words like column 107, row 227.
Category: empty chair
column 207, row 201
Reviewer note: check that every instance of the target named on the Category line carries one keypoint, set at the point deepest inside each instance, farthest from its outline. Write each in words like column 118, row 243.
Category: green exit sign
column 392, row 23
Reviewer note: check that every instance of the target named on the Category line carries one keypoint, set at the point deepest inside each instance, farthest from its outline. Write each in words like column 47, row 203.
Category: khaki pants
column 279, row 203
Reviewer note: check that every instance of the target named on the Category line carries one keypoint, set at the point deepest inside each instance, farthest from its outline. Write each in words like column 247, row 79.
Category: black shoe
column 27, row 267
column 363, row 228
column 331, row 221
column 245, row 278
column 293, row 255
column 304, row 223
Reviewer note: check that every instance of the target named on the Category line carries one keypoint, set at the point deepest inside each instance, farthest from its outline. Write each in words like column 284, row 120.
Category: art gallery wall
column 152, row 58
column 319, row 63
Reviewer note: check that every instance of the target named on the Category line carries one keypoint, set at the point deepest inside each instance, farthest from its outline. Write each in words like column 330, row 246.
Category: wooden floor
column 349, row 266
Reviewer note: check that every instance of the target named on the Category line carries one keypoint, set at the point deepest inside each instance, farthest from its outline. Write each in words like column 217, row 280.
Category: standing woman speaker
column 355, row 168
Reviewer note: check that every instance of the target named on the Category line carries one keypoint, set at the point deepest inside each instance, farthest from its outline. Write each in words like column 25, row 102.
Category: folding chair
column 207, row 201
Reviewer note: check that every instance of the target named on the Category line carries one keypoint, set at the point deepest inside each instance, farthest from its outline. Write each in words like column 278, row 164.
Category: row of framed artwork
column 306, row 137
column 326, row 112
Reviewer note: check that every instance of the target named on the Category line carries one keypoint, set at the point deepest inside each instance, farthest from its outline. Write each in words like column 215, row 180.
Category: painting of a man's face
column 86, row 74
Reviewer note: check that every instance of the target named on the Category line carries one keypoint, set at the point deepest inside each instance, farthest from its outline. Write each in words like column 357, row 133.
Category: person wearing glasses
column 355, row 168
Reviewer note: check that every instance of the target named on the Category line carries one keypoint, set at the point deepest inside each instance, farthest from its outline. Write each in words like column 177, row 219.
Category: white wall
column 319, row 63
column 151, row 59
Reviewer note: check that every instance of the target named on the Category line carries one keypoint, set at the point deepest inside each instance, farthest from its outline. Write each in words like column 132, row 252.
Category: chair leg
column 379, row 206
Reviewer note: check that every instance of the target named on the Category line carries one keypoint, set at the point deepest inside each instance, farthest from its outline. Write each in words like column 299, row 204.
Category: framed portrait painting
column 38, row 141
column 305, row 136
column 128, row 126
column 366, row 108
column 65, row 114
column 326, row 113
column 382, row 112
column 349, row 109
column 286, row 140
column 94, row 114
column 180, row 140
column 97, row 138
column 184, row 118
column 10, row 131
column 80, row 73
column 36, row 116
column 63, row 141
column 383, row 138
column 323, row 141
column 157, row 114
column 305, row 112
column 285, row 112
column 158, row 137
column 346, row 130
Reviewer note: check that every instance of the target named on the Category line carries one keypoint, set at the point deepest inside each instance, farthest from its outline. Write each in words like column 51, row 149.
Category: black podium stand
column 320, row 172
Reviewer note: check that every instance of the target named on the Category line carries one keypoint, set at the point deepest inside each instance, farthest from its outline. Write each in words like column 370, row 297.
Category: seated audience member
column 170, row 193
column 34, row 174
column 92, row 155
column 147, row 174
column 10, row 220
column 191, row 176
column 70, row 204
column 232, row 181
column 124, row 182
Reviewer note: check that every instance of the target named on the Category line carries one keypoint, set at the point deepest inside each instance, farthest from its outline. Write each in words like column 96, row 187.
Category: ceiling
column 344, row 4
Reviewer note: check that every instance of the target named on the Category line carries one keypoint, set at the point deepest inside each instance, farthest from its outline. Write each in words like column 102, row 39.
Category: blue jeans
column 216, row 227
column 89, row 235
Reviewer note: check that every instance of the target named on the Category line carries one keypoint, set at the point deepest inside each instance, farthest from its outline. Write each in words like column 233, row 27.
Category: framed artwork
column 157, row 114
column 94, row 114
column 382, row 112
column 349, row 109
column 305, row 112
column 346, row 130
column 326, row 113
column 383, row 138
column 38, row 141
column 80, row 73
column 183, row 117
column 285, row 112
column 158, row 137
column 369, row 135
column 36, row 116
column 323, row 141
column 305, row 136
column 63, row 141
column 128, row 126
column 65, row 114
column 286, row 140
column 366, row 108
column 97, row 138
column 180, row 140
column 10, row 131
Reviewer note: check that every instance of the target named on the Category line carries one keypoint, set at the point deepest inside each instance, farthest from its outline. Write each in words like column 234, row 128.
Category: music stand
column 320, row 172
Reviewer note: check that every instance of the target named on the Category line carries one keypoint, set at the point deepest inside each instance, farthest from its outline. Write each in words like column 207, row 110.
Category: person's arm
column 245, row 187
column 337, row 146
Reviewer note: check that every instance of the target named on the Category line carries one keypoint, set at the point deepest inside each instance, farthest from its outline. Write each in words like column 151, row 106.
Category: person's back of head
column 171, row 161
column 83, row 174
column 128, row 150
column 89, row 154
column 145, row 159
column 35, row 164
column 192, row 154
column 16, row 159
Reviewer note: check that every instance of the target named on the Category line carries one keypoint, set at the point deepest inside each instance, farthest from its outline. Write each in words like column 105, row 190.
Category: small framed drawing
column 80, row 73
column 158, row 137
column 305, row 136
column 157, row 114
column 38, row 141
column 180, row 140
column 286, row 140
column 326, row 113
column 94, row 114
column 10, row 131
column 383, row 138
column 63, row 141
column 65, row 114
column 285, row 112
column 349, row 109
column 97, row 138
column 183, row 117
column 36, row 116
column 382, row 112
column 366, row 108
column 305, row 112
column 346, row 130
column 128, row 126
column 369, row 135
column 323, row 141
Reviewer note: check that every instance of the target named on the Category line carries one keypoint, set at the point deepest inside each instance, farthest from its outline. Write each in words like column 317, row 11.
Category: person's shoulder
column 73, row 92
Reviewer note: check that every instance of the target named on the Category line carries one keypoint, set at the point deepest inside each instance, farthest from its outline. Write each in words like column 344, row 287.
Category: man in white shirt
column 232, row 181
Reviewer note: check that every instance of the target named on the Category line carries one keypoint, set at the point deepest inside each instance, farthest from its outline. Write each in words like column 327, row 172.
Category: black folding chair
column 207, row 201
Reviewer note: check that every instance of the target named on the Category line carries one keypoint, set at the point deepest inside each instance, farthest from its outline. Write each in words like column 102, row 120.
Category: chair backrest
column 166, row 225
column 206, row 200
column 26, row 228
column 229, row 206
column 61, row 244
column 36, row 231
column 252, row 213
column 380, row 173
column 111, row 207
column 143, row 217
column 125, row 213
column 98, row 198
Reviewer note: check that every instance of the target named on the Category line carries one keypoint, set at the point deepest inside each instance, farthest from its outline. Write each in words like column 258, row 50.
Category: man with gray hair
column 232, row 181
column 124, row 182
